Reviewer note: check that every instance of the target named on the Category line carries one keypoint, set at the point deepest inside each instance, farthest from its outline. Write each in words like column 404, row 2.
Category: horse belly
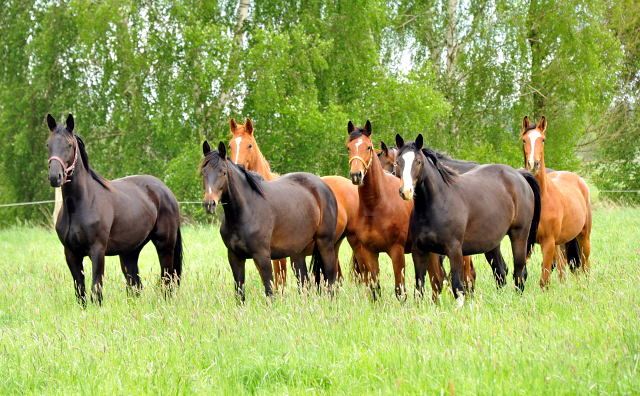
column 124, row 238
column 293, row 230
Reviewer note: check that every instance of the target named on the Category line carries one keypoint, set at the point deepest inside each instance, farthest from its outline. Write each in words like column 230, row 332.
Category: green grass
column 578, row 337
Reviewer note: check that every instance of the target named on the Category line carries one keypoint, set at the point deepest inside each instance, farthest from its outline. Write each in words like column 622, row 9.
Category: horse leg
column 457, row 271
column 336, row 248
column 129, row 265
column 77, row 272
column 237, row 268
column 397, row 258
column 371, row 276
column 560, row 261
column 469, row 280
column 358, row 267
column 430, row 263
column 584, row 243
column 97, row 259
column 165, row 245
column 280, row 272
column 548, row 247
column 518, row 237
column 327, row 252
column 299, row 264
column 498, row 266
column 263, row 261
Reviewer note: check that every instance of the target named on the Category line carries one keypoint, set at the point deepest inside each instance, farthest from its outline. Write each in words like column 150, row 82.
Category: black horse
column 458, row 215
column 101, row 217
column 265, row 220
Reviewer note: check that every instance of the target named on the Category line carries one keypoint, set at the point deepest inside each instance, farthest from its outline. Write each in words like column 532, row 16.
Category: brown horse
column 107, row 218
column 566, row 206
column 382, row 219
column 244, row 151
column 387, row 157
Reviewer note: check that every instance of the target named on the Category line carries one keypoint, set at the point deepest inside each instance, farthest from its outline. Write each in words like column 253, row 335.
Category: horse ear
column 206, row 149
column 384, row 148
column 525, row 123
column 248, row 126
column 222, row 150
column 367, row 128
column 419, row 142
column 70, row 123
column 350, row 127
column 399, row 141
column 542, row 125
column 51, row 122
column 233, row 125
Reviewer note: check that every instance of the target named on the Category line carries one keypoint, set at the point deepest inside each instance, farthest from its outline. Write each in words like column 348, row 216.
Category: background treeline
column 148, row 80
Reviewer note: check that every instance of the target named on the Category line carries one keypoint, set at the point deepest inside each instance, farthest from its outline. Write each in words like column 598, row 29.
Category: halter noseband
column 66, row 172
column 366, row 166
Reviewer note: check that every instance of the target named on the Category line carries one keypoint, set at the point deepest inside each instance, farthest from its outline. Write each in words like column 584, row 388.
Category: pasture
column 578, row 337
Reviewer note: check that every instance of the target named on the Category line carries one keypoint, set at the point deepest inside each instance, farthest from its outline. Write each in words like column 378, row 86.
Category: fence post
column 57, row 204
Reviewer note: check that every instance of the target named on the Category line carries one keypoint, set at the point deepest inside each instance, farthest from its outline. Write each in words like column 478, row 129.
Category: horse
column 382, row 218
column 244, row 151
column 107, row 218
column 466, row 214
column 265, row 220
column 566, row 207
column 388, row 157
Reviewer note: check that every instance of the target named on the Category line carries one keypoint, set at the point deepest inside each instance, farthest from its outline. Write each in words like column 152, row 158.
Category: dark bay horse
column 466, row 214
column 112, row 218
column 566, row 207
column 265, row 220
column 244, row 150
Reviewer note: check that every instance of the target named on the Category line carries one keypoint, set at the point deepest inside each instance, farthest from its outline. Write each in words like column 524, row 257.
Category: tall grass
column 578, row 337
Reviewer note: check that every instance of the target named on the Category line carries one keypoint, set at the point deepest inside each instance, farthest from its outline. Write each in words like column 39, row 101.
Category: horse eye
column 251, row 145
column 419, row 162
column 69, row 145
column 543, row 140
column 348, row 148
column 224, row 173
column 524, row 141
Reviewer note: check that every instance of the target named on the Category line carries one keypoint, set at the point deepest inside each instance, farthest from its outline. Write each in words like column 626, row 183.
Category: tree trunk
column 238, row 37
column 537, row 57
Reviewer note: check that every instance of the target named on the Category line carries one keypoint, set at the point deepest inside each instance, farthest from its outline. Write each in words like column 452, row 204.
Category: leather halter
column 366, row 166
column 67, row 172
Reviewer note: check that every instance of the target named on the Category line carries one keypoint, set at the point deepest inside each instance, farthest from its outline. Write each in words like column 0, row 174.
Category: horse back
column 574, row 197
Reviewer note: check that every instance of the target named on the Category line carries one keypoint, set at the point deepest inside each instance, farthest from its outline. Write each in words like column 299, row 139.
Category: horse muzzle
column 356, row 177
column 209, row 205
column 533, row 166
column 55, row 179
column 406, row 194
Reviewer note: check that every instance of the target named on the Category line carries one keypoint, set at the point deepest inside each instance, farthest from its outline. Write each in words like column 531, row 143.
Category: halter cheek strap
column 66, row 172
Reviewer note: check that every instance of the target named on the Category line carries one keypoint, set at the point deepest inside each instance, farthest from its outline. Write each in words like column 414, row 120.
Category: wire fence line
column 200, row 202
column 53, row 201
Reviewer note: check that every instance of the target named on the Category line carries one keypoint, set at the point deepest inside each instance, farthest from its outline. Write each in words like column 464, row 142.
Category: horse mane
column 531, row 127
column 445, row 157
column 61, row 129
column 448, row 175
column 356, row 133
column 264, row 160
column 212, row 158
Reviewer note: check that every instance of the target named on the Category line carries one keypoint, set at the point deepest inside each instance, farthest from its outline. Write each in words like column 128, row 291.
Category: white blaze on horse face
column 533, row 136
column 407, row 183
column 209, row 190
column 358, row 143
column 237, row 140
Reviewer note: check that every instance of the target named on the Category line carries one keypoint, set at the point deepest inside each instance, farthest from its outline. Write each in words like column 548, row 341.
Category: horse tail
column 573, row 254
column 317, row 264
column 535, row 222
column 178, row 257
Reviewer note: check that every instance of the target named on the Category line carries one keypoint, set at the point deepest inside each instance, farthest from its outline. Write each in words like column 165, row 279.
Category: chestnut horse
column 244, row 151
column 566, row 207
column 102, row 218
column 265, row 220
column 459, row 215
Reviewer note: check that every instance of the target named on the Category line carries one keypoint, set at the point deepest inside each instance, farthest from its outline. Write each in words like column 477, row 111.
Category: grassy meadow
column 579, row 337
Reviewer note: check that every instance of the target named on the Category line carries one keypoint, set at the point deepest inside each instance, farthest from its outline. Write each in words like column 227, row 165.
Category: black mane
column 448, row 175
column 531, row 127
column 356, row 133
column 212, row 158
column 445, row 157
column 61, row 129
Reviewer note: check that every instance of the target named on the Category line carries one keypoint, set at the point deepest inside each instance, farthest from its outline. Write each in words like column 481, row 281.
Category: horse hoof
column 460, row 301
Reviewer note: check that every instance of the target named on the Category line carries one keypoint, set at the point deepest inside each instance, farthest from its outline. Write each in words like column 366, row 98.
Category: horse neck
column 370, row 193
column 541, row 176
column 261, row 166
column 234, row 199
column 79, row 185
column 429, row 190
